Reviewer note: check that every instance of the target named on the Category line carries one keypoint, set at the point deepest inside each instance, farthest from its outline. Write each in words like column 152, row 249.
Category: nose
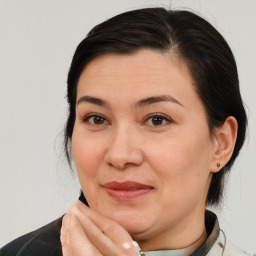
column 124, row 149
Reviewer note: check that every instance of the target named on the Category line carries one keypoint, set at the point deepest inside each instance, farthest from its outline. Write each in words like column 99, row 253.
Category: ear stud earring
column 218, row 165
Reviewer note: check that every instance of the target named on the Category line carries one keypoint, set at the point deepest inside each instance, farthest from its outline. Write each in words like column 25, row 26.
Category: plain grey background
column 37, row 41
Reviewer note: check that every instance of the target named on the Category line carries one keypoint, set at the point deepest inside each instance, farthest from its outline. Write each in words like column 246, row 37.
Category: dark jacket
column 44, row 241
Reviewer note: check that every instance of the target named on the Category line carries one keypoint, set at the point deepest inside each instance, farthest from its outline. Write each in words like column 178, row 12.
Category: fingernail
column 126, row 245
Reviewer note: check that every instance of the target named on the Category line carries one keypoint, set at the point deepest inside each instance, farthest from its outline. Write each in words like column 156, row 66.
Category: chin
column 135, row 224
column 133, row 219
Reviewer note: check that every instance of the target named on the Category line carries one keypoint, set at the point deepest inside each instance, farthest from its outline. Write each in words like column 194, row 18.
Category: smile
column 126, row 191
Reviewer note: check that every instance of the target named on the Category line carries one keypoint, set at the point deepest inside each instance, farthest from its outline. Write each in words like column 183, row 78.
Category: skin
column 176, row 155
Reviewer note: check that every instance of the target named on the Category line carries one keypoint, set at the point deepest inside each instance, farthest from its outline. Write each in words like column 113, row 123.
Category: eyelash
column 159, row 116
column 88, row 117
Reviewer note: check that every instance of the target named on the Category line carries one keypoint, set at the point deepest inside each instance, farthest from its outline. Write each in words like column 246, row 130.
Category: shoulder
column 44, row 241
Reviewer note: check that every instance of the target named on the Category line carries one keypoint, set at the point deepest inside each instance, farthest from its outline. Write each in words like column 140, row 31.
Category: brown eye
column 95, row 120
column 98, row 120
column 157, row 120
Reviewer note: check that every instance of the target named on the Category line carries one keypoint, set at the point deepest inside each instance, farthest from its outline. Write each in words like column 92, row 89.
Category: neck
column 184, row 233
column 190, row 231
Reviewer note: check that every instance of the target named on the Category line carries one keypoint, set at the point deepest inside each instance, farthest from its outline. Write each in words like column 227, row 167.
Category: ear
column 224, row 139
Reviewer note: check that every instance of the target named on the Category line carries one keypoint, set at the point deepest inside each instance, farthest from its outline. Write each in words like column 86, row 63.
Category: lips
column 128, row 190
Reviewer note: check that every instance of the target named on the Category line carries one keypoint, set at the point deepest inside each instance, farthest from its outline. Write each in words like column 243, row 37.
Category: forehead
column 137, row 62
column 141, row 73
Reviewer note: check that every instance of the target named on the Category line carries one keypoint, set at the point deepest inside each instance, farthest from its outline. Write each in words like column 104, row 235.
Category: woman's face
column 141, row 144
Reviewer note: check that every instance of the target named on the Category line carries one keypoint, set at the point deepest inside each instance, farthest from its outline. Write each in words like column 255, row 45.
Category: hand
column 85, row 232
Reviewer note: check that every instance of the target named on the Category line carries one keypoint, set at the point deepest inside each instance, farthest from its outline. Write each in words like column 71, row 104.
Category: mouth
column 126, row 191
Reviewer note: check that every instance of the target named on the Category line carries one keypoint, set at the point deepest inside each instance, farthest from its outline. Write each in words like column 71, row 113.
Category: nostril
column 123, row 152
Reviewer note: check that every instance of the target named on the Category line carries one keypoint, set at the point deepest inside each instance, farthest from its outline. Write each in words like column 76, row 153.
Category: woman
column 155, row 122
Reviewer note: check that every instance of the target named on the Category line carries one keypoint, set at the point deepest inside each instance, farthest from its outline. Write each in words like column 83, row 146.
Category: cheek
column 181, row 166
column 87, row 155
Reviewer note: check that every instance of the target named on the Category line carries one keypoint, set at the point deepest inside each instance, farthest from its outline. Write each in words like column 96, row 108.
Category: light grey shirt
column 215, row 245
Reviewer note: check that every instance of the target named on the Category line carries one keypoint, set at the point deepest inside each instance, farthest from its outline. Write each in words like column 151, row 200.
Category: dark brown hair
column 190, row 38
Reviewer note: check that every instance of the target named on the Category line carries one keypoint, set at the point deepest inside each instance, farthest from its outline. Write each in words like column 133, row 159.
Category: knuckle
column 76, row 204
column 73, row 222
column 73, row 207
column 108, row 228
column 65, row 222
column 65, row 217
column 76, row 207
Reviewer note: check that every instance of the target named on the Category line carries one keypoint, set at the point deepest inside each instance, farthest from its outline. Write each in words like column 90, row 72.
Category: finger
column 63, row 236
column 115, row 232
column 79, row 244
column 103, row 243
column 109, row 228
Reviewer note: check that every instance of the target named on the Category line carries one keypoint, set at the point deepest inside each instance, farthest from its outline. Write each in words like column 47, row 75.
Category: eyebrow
column 156, row 99
column 93, row 100
column 139, row 104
